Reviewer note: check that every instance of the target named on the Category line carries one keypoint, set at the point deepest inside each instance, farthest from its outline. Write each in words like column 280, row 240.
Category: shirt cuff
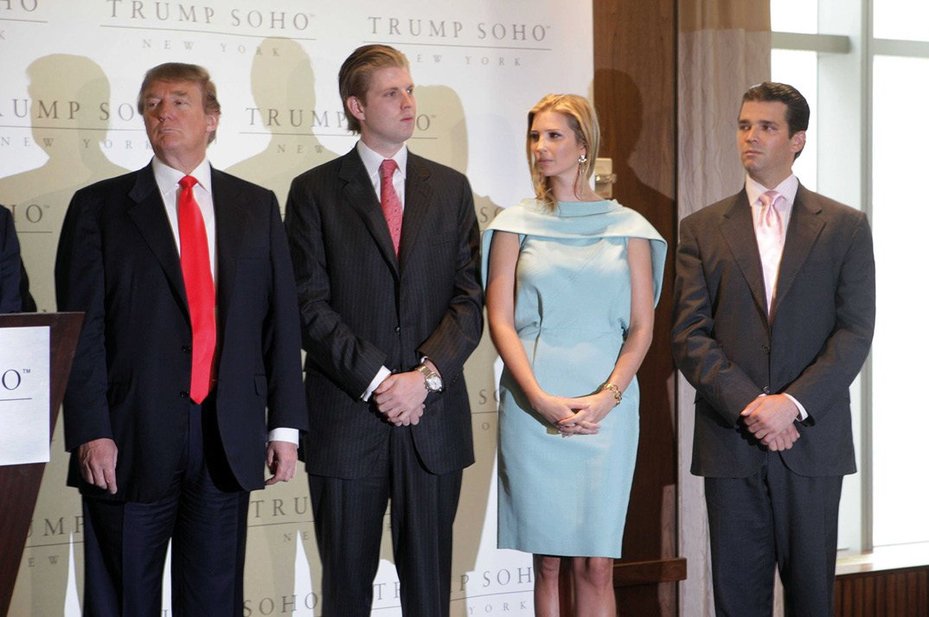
column 382, row 374
column 803, row 414
column 290, row 435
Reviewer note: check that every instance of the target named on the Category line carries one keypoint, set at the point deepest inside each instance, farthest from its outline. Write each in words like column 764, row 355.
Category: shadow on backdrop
column 284, row 90
column 65, row 94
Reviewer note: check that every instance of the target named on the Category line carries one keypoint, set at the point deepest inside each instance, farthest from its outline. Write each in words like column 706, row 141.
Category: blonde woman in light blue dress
column 572, row 281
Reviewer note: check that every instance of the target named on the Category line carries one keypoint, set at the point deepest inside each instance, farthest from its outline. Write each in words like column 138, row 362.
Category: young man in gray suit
column 385, row 250
column 774, row 315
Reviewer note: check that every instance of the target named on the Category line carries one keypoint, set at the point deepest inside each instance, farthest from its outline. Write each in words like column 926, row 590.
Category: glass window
column 901, row 19
column 793, row 16
column 900, row 219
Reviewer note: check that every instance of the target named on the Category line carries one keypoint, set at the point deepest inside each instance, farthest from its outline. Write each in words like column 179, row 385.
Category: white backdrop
column 70, row 74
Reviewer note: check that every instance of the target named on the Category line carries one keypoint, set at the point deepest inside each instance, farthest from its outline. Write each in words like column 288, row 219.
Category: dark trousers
column 125, row 543
column 773, row 519
column 349, row 516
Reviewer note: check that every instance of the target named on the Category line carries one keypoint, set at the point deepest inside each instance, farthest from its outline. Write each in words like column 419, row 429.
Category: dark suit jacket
column 815, row 346
column 118, row 262
column 363, row 309
column 10, row 267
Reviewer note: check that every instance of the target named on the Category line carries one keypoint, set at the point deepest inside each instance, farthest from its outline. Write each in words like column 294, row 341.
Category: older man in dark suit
column 188, row 357
column 385, row 249
column 774, row 315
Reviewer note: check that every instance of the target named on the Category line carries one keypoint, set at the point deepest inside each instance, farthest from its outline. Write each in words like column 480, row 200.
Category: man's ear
column 797, row 141
column 356, row 108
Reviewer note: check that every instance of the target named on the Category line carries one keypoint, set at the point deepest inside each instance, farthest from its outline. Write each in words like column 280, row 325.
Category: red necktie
column 390, row 202
column 771, row 241
column 198, row 281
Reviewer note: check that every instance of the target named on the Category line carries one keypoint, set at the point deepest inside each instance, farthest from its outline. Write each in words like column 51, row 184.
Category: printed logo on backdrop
column 500, row 591
column 13, row 9
column 466, row 43
column 263, row 18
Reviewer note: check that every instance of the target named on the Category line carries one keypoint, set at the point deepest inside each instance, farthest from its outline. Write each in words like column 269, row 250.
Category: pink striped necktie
column 390, row 202
column 771, row 241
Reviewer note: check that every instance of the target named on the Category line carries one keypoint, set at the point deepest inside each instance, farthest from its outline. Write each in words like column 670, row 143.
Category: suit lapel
column 360, row 196
column 804, row 227
column 232, row 215
column 739, row 232
column 147, row 212
column 416, row 206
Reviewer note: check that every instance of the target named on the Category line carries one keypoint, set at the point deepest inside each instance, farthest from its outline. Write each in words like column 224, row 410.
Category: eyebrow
column 762, row 121
column 179, row 93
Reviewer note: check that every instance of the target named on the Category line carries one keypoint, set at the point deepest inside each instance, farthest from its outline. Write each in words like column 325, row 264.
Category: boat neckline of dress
column 585, row 208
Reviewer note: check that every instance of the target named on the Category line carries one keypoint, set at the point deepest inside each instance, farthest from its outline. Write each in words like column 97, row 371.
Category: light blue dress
column 568, row 496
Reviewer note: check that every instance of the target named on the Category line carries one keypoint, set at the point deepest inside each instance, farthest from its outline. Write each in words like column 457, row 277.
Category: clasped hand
column 575, row 416
column 400, row 398
column 770, row 419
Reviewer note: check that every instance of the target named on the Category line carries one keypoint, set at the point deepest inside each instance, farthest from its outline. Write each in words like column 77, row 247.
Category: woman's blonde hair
column 582, row 118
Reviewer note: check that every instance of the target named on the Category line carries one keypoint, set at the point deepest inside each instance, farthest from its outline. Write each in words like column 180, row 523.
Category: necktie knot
column 770, row 215
column 388, row 167
column 187, row 182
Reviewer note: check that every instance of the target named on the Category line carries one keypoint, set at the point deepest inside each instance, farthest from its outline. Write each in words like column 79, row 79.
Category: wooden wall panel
column 888, row 593
column 635, row 62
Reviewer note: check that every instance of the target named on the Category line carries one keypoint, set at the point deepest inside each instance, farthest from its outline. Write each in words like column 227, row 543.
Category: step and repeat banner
column 69, row 79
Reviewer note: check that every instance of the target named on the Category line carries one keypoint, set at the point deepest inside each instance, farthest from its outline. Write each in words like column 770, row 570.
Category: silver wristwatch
column 433, row 381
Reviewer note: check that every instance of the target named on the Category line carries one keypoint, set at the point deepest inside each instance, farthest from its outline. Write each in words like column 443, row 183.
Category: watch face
column 434, row 383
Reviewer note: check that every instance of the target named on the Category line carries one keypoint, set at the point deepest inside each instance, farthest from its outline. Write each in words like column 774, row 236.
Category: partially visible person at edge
column 14, row 284
column 773, row 318
column 572, row 281
column 186, row 381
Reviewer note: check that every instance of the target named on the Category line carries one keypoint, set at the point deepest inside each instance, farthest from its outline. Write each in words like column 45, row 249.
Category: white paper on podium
column 24, row 395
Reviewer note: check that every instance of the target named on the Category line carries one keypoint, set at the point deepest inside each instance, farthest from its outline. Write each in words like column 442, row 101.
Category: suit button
column 766, row 348
column 184, row 394
column 186, row 349
column 397, row 329
column 766, row 390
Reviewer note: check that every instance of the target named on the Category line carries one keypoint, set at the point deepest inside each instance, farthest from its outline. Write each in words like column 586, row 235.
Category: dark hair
column 798, row 110
column 178, row 71
column 355, row 74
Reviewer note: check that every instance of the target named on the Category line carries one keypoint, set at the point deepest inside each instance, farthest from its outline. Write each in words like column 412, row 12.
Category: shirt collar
column 167, row 177
column 372, row 160
column 787, row 188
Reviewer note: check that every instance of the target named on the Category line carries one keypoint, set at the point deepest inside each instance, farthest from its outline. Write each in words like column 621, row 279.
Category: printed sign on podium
column 24, row 395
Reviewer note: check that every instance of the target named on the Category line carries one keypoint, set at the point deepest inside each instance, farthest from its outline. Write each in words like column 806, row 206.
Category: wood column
column 635, row 92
